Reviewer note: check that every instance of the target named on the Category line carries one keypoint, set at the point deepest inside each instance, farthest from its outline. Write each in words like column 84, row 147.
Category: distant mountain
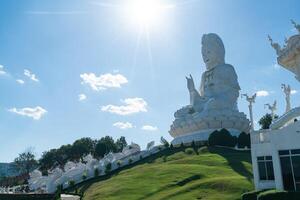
column 8, row 169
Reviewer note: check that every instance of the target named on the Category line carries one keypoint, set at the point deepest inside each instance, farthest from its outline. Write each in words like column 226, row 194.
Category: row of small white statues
column 78, row 172
column 14, row 189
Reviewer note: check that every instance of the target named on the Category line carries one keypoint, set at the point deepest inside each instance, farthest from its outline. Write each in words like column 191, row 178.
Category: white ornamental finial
column 272, row 108
column 297, row 26
column 275, row 46
column 251, row 101
column 287, row 91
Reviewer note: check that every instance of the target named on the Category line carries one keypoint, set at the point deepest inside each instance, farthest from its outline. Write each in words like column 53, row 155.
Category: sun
column 146, row 13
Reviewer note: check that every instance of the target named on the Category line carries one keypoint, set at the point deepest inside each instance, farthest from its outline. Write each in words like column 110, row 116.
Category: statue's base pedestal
column 200, row 136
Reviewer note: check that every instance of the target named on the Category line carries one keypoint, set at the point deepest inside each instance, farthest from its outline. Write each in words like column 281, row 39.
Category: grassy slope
column 214, row 173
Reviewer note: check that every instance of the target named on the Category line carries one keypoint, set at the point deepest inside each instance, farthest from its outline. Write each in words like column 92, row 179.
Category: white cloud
column 103, row 81
column 82, row 97
column 30, row 75
column 132, row 105
column 294, row 91
column 2, row 72
column 35, row 113
column 149, row 128
column 123, row 125
column 262, row 93
column 20, row 81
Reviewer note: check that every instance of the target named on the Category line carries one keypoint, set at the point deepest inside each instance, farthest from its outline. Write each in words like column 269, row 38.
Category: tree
column 266, row 121
column 48, row 159
column 244, row 140
column 121, row 143
column 104, row 146
column 82, row 147
column 100, row 149
column 109, row 144
column 222, row 138
column 26, row 162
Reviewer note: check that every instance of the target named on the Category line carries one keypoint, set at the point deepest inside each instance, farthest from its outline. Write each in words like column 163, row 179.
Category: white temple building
column 276, row 151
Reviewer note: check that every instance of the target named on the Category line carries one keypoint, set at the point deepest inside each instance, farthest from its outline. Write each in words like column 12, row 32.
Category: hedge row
column 271, row 195
column 27, row 196
column 224, row 138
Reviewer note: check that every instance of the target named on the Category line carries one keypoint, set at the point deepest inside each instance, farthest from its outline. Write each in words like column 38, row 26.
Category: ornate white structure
column 272, row 108
column 251, row 101
column 287, row 91
column 214, row 106
column 76, row 171
column 275, row 152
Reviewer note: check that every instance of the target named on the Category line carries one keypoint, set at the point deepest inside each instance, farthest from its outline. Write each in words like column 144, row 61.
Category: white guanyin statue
column 214, row 106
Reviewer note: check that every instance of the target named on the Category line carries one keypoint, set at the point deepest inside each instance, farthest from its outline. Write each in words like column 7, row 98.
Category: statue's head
column 213, row 51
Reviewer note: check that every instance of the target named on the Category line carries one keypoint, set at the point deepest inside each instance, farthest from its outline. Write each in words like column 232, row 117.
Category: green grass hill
column 183, row 173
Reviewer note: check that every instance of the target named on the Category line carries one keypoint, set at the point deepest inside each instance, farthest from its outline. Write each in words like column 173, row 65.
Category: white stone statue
column 150, row 145
column 251, row 101
column 287, row 91
column 214, row 106
column 272, row 108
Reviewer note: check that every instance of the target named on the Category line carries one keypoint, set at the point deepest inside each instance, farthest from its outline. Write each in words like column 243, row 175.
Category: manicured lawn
column 213, row 173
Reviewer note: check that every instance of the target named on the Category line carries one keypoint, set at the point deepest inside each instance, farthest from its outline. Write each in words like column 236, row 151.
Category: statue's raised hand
column 190, row 83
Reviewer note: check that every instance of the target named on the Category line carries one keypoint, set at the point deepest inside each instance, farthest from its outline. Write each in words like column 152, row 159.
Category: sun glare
column 146, row 12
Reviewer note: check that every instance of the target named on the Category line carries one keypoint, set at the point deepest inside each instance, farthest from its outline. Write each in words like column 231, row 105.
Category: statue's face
column 209, row 55
column 213, row 52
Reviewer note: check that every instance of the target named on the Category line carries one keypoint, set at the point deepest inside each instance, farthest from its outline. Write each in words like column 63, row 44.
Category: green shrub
column 278, row 195
column 119, row 163
column 96, row 172
column 59, row 188
column 243, row 140
column 181, row 145
column 71, row 183
column 107, row 168
column 130, row 160
column 193, row 144
column 189, row 151
column 203, row 149
column 222, row 138
column 251, row 195
column 141, row 157
column 84, row 176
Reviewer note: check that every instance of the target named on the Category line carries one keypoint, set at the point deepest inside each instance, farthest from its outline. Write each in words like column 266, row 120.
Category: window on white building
column 265, row 168
column 290, row 168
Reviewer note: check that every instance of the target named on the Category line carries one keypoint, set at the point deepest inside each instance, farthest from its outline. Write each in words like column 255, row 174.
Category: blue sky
column 52, row 51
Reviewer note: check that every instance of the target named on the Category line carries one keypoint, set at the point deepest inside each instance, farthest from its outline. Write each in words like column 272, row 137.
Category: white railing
column 261, row 136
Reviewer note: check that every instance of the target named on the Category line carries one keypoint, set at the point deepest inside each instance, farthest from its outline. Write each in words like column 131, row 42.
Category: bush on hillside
column 84, row 176
column 244, row 140
column 130, row 160
column 251, row 195
column 96, row 172
column 119, row 163
column 278, row 195
column 71, row 183
column 189, row 151
column 107, row 168
column 222, row 138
